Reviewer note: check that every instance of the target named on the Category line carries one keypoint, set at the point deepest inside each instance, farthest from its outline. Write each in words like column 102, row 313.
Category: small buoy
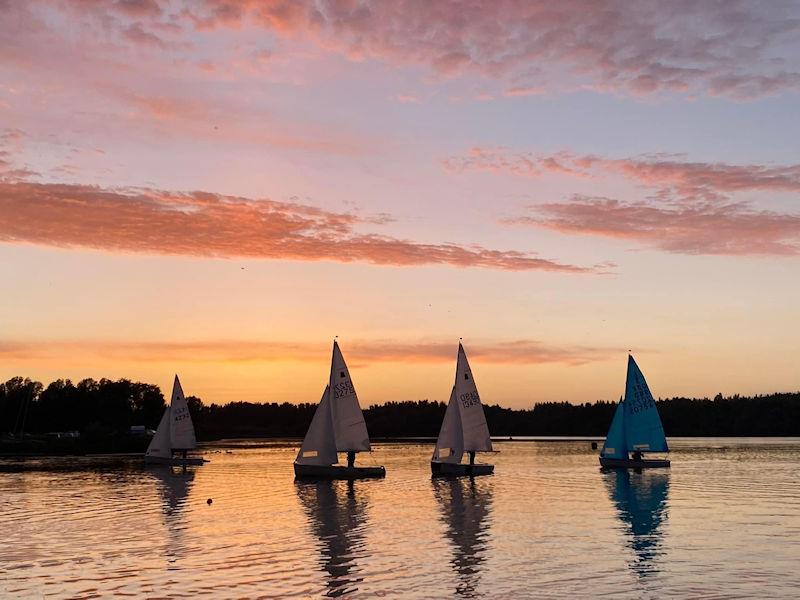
column 209, row 501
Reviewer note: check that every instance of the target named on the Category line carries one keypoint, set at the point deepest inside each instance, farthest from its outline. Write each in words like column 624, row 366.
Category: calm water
column 724, row 522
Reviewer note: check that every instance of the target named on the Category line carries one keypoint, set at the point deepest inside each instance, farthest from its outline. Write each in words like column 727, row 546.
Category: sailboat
column 636, row 427
column 337, row 426
column 463, row 429
column 175, row 433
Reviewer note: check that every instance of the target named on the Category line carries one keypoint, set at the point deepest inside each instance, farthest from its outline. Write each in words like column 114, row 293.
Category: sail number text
column 469, row 399
column 642, row 399
column 343, row 389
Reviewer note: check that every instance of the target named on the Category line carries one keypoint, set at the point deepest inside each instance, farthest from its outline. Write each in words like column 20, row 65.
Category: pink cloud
column 691, row 212
column 213, row 225
column 702, row 228
column 734, row 49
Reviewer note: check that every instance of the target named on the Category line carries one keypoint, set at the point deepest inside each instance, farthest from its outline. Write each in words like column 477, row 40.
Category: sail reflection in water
column 641, row 499
column 337, row 515
column 174, row 485
column 466, row 512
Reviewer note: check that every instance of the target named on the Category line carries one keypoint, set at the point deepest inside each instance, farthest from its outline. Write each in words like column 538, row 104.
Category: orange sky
column 218, row 191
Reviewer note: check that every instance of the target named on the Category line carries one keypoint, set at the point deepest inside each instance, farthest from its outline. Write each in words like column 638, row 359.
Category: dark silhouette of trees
column 103, row 412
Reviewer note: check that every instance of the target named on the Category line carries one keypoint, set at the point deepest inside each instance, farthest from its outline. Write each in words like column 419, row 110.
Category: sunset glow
column 219, row 188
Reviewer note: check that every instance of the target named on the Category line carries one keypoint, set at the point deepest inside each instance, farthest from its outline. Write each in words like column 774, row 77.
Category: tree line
column 107, row 409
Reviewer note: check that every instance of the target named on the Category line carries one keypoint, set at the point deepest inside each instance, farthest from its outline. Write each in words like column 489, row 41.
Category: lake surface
column 724, row 522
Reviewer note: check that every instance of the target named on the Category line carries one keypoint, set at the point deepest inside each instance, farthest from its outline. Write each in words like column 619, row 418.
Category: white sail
column 181, row 429
column 450, row 443
column 160, row 445
column 319, row 445
column 350, row 430
column 473, row 421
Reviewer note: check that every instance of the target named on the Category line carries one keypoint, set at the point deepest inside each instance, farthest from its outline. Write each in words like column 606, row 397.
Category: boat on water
column 174, row 437
column 636, row 428
column 463, row 429
column 337, row 426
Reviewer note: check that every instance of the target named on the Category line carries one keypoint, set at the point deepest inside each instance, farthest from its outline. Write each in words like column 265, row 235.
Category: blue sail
column 643, row 429
column 615, row 446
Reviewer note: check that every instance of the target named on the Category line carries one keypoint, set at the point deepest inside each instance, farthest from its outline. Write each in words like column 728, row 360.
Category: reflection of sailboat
column 175, row 433
column 636, row 427
column 464, row 427
column 337, row 426
column 174, row 486
column 337, row 517
column 466, row 506
column 641, row 502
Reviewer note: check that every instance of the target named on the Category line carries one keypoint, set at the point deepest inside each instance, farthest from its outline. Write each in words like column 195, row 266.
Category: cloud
column 363, row 351
column 691, row 209
column 735, row 49
column 214, row 225
column 703, row 228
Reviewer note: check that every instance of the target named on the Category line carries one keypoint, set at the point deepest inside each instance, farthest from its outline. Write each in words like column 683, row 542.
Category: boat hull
column 337, row 472
column 627, row 463
column 443, row 469
column 174, row 461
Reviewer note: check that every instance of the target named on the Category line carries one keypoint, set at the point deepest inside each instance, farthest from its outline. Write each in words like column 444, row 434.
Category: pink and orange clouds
column 690, row 211
column 213, row 225
column 736, row 49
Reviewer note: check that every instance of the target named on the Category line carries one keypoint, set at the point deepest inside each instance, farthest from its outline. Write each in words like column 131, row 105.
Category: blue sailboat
column 636, row 427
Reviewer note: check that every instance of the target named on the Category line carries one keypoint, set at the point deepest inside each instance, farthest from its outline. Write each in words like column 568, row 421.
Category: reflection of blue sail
column 465, row 509
column 337, row 517
column 641, row 499
column 643, row 429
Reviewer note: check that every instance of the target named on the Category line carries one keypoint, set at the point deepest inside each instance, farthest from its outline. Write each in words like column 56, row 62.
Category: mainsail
column 643, row 429
column 319, row 445
column 464, row 426
column 473, row 422
column 348, row 420
column 181, row 429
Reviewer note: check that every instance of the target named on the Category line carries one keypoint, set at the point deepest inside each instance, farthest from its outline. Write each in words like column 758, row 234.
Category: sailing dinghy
column 463, row 429
column 175, row 434
column 636, row 427
column 338, row 426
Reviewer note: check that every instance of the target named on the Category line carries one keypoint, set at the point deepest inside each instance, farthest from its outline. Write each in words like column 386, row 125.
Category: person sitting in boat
column 637, row 456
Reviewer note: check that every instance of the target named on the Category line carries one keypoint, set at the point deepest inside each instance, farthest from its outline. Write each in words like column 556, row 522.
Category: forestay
column 475, row 432
column 643, row 429
column 181, row 427
column 450, row 443
column 319, row 445
column 350, row 430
